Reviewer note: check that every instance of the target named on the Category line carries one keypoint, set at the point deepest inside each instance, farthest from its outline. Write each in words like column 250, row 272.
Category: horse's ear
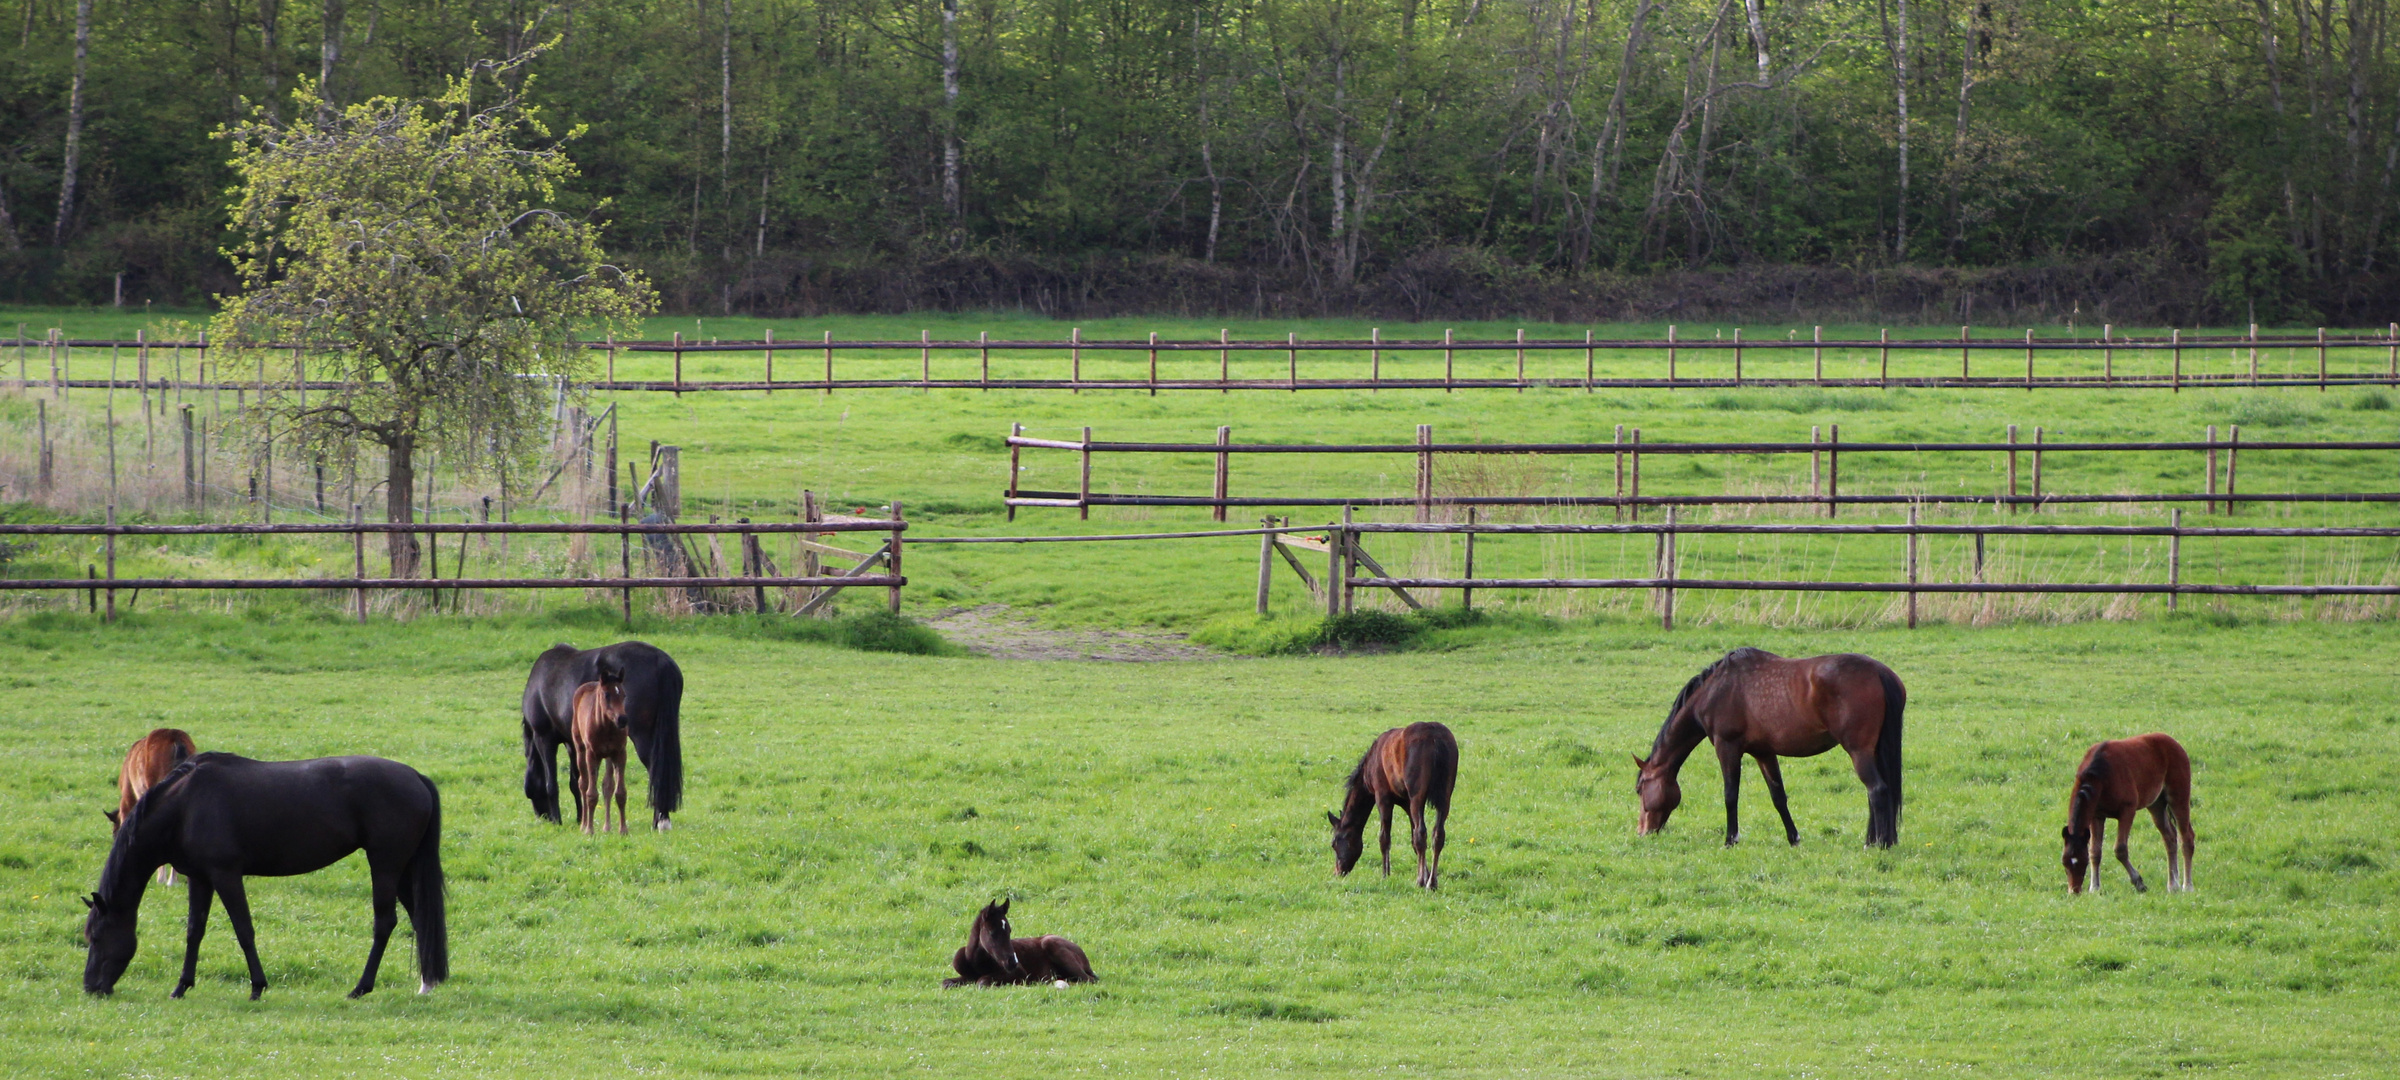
column 1333, row 819
column 1004, row 906
column 2067, row 833
column 92, row 901
column 111, row 815
column 1638, row 761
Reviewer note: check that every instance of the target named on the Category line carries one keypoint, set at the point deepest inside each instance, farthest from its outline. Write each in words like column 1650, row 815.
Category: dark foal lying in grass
column 993, row 958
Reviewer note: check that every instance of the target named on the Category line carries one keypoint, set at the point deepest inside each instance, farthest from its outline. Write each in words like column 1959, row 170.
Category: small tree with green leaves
column 410, row 248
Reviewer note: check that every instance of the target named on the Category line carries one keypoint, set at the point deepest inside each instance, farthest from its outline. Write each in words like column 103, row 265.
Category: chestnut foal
column 598, row 738
column 152, row 757
column 2116, row 779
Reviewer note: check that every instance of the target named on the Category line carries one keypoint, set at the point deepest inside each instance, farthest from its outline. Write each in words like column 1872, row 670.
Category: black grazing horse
column 1757, row 703
column 218, row 818
column 653, row 700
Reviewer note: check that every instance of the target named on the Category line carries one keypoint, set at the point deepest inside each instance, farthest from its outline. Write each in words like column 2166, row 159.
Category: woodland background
column 2193, row 161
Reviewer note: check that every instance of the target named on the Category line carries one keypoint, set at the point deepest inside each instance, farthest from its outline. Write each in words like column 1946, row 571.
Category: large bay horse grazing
column 992, row 958
column 1416, row 765
column 1757, row 703
column 2118, row 778
column 152, row 757
column 220, row 818
column 653, row 688
column 599, row 745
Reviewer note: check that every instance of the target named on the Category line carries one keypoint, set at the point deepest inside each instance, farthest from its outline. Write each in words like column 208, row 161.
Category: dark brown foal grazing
column 1417, row 764
column 2116, row 779
column 1757, row 703
column 597, row 739
column 992, row 958
column 152, row 757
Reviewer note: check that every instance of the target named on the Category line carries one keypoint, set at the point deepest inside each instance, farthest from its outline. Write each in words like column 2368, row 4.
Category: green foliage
column 415, row 243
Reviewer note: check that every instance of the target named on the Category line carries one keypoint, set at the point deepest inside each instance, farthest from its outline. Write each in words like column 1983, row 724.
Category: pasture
column 847, row 812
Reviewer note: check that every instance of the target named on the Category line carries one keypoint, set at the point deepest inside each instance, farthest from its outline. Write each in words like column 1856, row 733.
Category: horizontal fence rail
column 1825, row 472
column 2154, row 362
column 824, row 585
column 1343, row 545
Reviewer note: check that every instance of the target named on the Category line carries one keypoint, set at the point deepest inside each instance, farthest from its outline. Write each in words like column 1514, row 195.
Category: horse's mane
column 1684, row 695
column 2087, row 785
column 118, row 851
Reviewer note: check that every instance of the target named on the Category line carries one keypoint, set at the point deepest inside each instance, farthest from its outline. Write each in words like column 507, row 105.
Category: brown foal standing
column 1416, row 765
column 598, row 739
column 2118, row 778
column 152, row 757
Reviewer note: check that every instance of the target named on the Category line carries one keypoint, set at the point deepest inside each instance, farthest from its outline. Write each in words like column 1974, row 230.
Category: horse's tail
column 665, row 759
column 427, row 907
column 1887, row 756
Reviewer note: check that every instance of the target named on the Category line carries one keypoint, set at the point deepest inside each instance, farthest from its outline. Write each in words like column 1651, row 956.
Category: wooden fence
column 1346, row 556
column 1825, row 472
column 102, row 581
column 1997, row 359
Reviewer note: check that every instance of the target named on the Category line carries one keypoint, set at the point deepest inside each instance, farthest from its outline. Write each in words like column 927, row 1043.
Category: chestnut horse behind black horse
column 2117, row 779
column 220, row 818
column 992, row 958
column 653, row 702
column 1416, row 765
column 1757, row 703
column 152, row 757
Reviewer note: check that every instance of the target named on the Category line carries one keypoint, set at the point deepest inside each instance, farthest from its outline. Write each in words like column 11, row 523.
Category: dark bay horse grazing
column 992, row 958
column 599, row 745
column 1757, row 703
column 2118, row 778
column 653, row 688
column 220, row 818
column 152, row 757
column 1416, row 765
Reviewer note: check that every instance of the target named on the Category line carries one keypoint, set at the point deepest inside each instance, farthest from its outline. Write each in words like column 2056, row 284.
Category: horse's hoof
column 255, row 991
column 663, row 825
column 1061, row 984
column 361, row 992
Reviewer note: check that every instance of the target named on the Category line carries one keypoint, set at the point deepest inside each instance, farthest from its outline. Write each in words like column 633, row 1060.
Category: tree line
column 2232, row 160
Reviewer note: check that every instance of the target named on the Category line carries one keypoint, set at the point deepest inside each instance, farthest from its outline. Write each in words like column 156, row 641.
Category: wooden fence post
column 828, row 363
column 1266, row 561
column 1449, row 364
column 1375, row 358
column 1964, row 369
column 811, row 564
column 1520, row 359
column 2320, row 359
column 1737, row 356
column 1816, row 464
column 893, row 564
column 2174, row 557
column 1083, row 497
column 769, row 341
column 2108, row 354
column 666, row 481
column 1336, row 582
column 1666, row 572
column 1224, row 470
column 753, row 564
column 1349, row 566
column 1886, row 352
column 2176, row 379
column 2028, row 358
column 2253, row 360
column 1291, row 342
column 1587, row 361
column 1670, row 356
column 1153, row 363
column 358, row 559
column 2233, row 463
column 925, row 360
column 1014, row 430
column 1075, row 359
column 1424, row 472
column 1912, row 566
column 678, row 363
column 1818, row 336
column 1618, row 440
column 1224, row 362
column 1833, row 472
column 983, row 344
column 612, row 361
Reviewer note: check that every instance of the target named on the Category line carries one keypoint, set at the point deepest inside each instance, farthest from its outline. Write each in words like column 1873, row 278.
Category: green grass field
column 848, row 811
